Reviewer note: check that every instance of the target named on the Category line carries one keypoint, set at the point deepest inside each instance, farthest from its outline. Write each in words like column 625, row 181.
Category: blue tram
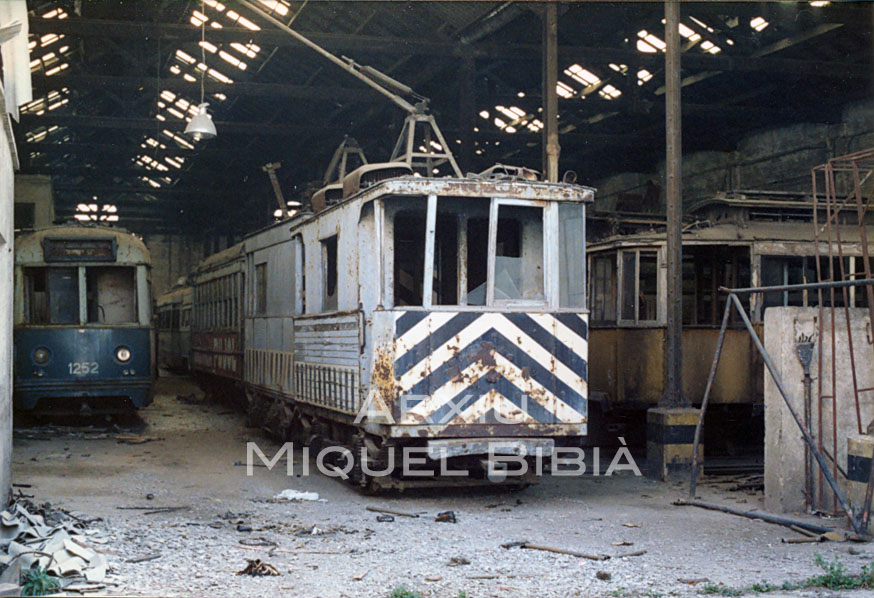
column 83, row 334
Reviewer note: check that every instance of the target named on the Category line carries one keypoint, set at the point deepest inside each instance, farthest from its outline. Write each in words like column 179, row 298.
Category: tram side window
column 261, row 288
column 111, row 295
column 783, row 270
column 705, row 269
column 604, row 288
column 639, row 286
column 52, row 295
column 571, row 252
column 329, row 274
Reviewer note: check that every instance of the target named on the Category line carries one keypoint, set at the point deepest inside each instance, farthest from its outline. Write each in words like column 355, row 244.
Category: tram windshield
column 53, row 295
column 486, row 252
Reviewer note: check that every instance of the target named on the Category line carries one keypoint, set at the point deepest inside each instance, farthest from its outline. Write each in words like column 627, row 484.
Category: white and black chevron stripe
column 529, row 367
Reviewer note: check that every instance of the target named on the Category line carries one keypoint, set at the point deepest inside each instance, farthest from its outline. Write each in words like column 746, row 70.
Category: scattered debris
column 259, row 541
column 767, row 517
column 457, row 561
column 244, row 528
column 623, row 543
column 391, row 512
column 258, row 567
column 290, row 495
column 581, row 555
column 242, row 464
column 150, row 496
column 50, row 540
column 360, row 576
column 146, row 557
column 446, row 516
column 385, row 518
column 630, row 525
column 695, row 581
column 628, row 554
column 135, row 439
column 603, row 576
column 434, row 578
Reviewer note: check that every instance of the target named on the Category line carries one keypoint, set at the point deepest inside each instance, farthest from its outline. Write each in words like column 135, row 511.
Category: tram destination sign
column 79, row 250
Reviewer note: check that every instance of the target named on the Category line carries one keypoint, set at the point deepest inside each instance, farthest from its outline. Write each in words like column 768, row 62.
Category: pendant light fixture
column 201, row 125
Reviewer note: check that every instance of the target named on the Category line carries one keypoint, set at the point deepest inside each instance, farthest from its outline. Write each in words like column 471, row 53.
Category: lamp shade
column 201, row 126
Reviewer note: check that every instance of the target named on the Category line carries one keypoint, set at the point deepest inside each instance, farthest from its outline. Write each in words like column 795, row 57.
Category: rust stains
column 383, row 377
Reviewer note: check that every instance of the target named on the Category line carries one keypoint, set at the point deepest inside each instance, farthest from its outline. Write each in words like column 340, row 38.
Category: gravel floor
column 336, row 547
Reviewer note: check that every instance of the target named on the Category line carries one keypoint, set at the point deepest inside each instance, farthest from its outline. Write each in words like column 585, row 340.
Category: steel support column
column 551, row 147
column 673, row 395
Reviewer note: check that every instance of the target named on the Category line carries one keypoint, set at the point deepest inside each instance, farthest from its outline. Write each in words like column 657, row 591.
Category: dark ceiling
column 102, row 87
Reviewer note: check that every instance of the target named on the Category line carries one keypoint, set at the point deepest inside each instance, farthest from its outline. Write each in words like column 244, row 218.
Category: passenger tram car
column 173, row 320
column 733, row 239
column 83, row 333
column 217, row 323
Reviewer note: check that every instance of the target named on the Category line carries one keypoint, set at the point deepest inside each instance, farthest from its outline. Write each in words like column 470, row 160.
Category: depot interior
column 769, row 93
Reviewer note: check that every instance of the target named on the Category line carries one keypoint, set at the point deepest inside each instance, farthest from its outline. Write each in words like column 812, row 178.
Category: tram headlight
column 122, row 354
column 41, row 356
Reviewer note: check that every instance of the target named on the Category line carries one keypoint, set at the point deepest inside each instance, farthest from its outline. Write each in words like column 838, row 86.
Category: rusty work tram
column 440, row 313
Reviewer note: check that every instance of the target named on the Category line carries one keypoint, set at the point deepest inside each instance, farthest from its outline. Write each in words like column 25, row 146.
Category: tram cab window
column 519, row 254
column 409, row 257
column 111, row 295
column 639, row 289
column 329, row 274
column 51, row 295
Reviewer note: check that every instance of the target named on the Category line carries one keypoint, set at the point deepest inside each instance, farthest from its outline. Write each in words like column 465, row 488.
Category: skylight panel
column 688, row 33
column 651, row 41
column 190, row 78
column 643, row 76
column 220, row 97
column 56, row 13
column 609, row 92
column 57, row 69
column 212, row 49
column 274, row 5
column 249, row 50
column 710, row 47
column 179, row 139
column 564, row 90
column 581, row 75
column 185, row 57
column 759, row 23
column 241, row 20
column 227, row 57
column 214, row 4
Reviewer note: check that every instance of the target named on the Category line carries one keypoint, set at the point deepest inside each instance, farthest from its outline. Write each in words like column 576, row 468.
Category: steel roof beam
column 364, row 44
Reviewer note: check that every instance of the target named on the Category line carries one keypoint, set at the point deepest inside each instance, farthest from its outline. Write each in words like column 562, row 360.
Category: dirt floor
column 179, row 454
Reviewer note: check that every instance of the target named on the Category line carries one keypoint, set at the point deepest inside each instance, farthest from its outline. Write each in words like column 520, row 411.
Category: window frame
column 620, row 286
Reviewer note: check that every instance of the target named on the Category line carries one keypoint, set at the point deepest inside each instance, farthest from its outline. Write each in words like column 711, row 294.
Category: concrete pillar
column 673, row 395
column 669, row 437
column 551, row 147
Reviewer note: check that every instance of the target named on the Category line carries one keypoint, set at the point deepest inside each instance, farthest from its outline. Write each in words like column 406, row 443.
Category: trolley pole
column 673, row 395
